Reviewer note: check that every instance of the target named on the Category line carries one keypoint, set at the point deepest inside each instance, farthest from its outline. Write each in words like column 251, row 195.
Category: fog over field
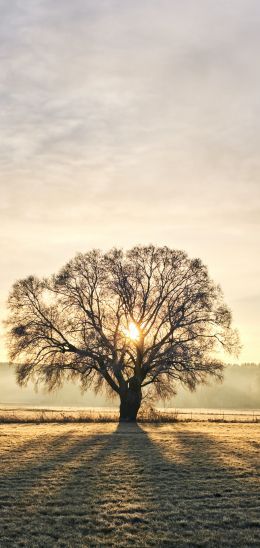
column 240, row 390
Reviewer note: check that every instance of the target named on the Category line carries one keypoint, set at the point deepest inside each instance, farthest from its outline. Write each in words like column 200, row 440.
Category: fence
column 214, row 415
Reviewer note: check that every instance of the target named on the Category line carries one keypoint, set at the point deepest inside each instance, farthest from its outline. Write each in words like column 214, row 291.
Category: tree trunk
column 130, row 401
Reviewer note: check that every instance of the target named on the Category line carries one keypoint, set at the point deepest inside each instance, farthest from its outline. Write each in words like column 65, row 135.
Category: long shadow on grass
column 133, row 491
column 124, row 489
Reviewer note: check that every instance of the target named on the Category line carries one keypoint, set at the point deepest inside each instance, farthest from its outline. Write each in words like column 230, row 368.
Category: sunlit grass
column 108, row 485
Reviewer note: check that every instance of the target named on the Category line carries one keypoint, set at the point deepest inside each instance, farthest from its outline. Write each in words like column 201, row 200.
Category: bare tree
column 133, row 322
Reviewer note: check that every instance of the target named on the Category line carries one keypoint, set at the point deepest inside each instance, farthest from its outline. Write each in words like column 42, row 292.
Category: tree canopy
column 133, row 322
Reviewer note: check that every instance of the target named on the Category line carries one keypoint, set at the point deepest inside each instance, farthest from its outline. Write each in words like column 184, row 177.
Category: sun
column 133, row 331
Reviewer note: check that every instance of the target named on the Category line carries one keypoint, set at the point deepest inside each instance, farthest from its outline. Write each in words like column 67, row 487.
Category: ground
column 73, row 485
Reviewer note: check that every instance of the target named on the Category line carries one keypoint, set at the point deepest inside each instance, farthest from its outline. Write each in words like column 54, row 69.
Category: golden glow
column 132, row 332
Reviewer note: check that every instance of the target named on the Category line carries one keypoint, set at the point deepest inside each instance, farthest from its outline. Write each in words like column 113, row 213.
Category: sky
column 134, row 121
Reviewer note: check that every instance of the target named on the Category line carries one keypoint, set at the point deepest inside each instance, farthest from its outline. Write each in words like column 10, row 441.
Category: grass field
column 194, row 484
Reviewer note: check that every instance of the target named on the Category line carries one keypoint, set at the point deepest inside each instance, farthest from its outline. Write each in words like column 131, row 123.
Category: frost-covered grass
column 193, row 484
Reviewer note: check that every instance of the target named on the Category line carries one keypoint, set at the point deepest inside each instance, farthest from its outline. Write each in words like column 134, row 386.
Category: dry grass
column 146, row 415
column 24, row 415
column 105, row 485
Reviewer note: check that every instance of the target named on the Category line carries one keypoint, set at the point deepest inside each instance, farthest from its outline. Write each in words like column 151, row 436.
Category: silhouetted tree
column 134, row 322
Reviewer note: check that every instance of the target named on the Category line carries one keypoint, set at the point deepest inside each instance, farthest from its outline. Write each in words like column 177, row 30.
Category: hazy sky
column 132, row 121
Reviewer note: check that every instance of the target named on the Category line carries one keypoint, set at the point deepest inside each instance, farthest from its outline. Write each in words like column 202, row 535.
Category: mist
column 239, row 390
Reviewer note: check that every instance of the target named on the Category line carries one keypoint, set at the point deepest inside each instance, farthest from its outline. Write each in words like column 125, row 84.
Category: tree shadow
column 134, row 486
